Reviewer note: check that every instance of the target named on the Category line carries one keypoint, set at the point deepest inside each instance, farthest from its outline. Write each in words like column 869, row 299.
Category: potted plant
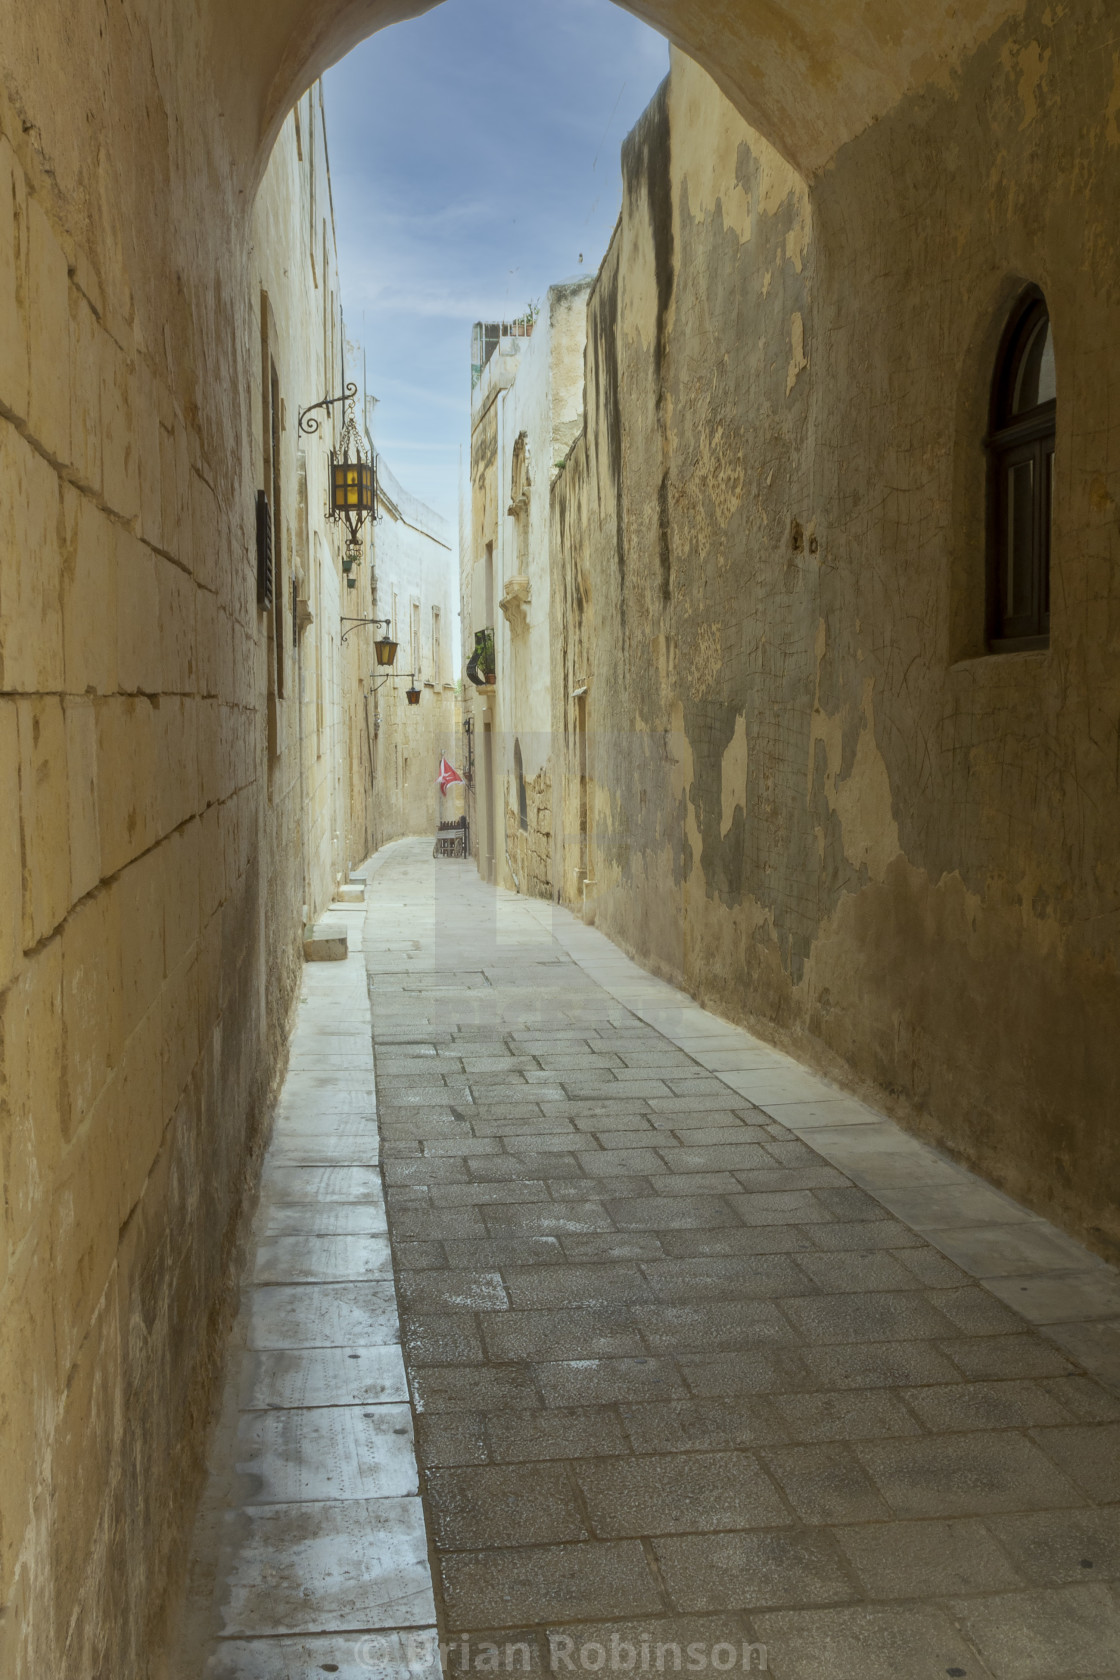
column 480, row 665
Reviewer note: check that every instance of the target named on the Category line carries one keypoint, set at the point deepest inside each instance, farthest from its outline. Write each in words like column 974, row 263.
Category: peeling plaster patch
column 729, row 170
column 864, row 805
column 707, row 660
column 861, row 798
column 710, row 172
column 720, row 468
column 1030, row 62
column 734, row 776
column 798, row 358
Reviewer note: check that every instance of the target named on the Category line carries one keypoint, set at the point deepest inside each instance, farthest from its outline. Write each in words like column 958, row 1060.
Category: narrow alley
column 709, row 1364
column 560, row 855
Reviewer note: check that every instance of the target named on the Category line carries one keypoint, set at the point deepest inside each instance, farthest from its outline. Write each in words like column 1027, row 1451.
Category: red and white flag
column 447, row 777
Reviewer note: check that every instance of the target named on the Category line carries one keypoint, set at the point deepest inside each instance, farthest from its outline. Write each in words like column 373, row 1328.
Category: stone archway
column 808, row 74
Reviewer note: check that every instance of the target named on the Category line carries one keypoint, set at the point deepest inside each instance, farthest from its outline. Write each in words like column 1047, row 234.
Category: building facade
column 526, row 412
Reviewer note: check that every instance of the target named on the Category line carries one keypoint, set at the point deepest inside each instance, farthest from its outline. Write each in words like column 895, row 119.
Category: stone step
column 325, row 943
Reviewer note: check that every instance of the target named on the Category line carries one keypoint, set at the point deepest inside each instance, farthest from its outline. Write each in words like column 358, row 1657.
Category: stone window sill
column 1013, row 660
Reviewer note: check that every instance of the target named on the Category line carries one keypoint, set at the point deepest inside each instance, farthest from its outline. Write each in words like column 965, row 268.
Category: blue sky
column 474, row 155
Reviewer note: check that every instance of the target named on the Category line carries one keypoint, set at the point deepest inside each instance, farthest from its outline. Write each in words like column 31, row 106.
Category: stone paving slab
column 326, row 1452
column 700, row 1345
column 300, row 1567
column 310, row 1258
column 330, row 1376
column 348, row 1656
column 347, row 1315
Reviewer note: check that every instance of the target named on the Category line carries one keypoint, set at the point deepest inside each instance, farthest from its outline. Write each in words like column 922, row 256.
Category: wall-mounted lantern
column 351, row 479
column 353, row 494
column 385, row 649
column 412, row 695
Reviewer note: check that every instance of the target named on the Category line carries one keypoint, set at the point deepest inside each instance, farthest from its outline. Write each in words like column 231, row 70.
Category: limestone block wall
column 152, row 869
column 790, row 774
column 132, row 883
column 528, row 851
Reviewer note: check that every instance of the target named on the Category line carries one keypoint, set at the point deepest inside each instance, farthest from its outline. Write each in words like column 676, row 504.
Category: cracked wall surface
column 813, row 797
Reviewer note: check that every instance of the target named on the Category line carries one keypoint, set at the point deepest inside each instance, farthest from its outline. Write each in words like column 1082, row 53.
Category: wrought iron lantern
column 385, row 650
column 412, row 694
column 353, row 492
column 352, row 497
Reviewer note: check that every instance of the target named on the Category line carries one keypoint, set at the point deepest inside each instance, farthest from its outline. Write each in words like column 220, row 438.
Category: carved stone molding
column 515, row 602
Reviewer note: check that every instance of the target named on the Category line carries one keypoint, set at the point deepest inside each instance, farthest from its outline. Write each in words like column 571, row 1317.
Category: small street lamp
column 353, row 492
column 412, row 695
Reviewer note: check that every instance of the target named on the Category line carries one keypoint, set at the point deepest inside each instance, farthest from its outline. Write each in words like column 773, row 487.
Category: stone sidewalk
column 310, row 1554
column 703, row 1353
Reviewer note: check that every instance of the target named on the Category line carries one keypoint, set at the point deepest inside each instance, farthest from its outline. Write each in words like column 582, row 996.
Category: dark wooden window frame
column 1014, row 441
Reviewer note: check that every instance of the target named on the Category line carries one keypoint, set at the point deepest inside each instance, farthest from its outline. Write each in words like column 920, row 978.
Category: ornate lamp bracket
column 309, row 421
column 355, row 622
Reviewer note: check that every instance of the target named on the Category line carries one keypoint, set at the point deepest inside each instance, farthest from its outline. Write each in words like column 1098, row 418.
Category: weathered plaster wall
column 812, row 796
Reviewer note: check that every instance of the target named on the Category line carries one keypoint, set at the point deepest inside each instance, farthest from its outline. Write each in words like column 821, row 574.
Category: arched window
column 522, row 795
column 1021, row 481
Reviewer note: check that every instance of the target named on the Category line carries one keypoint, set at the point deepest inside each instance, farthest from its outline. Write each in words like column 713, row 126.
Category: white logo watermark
column 429, row 1657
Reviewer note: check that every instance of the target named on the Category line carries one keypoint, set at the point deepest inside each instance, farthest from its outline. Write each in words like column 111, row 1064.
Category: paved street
column 677, row 1376
column 701, row 1366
